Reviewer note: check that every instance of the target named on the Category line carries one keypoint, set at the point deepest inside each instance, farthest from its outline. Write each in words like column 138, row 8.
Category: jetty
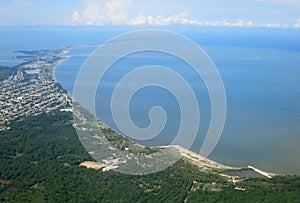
column 268, row 175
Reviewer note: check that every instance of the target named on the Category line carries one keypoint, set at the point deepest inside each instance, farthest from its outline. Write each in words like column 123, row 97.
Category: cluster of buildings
column 31, row 91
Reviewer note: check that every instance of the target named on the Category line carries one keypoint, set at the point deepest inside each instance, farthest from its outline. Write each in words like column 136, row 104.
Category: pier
column 260, row 172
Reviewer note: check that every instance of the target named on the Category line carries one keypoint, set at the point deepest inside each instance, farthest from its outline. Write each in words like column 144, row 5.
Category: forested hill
column 40, row 159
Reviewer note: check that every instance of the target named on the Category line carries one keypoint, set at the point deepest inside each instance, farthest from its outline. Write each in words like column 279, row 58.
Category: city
column 32, row 90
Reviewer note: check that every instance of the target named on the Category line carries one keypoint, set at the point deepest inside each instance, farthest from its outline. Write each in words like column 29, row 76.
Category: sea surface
column 260, row 69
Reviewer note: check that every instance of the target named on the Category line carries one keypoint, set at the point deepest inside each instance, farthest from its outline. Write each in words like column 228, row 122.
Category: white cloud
column 159, row 20
column 183, row 18
column 274, row 25
column 239, row 23
column 115, row 12
column 297, row 24
column 75, row 17
column 102, row 13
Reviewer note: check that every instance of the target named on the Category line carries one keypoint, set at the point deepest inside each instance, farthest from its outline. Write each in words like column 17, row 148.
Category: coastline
column 56, row 97
column 192, row 157
column 66, row 57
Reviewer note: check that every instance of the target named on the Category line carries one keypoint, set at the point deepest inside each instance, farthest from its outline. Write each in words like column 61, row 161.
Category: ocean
column 260, row 69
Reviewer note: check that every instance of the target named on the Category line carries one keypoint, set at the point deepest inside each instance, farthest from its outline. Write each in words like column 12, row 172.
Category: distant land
column 42, row 159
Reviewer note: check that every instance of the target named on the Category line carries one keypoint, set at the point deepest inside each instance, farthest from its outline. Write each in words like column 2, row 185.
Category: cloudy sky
column 267, row 13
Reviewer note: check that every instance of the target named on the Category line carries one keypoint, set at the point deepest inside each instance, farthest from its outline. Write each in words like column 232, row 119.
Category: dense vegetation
column 40, row 155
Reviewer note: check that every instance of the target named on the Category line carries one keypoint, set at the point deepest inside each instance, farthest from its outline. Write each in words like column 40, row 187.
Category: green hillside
column 40, row 159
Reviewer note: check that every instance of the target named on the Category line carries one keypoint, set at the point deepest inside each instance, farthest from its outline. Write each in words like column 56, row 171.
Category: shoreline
column 65, row 57
column 193, row 157
column 59, row 62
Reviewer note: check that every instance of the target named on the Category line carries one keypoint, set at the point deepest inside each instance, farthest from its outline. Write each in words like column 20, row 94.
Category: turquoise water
column 261, row 74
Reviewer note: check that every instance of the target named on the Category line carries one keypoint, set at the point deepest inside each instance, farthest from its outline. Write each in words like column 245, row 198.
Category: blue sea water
column 260, row 69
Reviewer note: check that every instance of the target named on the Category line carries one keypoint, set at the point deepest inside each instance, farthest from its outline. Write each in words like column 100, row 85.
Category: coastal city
column 31, row 89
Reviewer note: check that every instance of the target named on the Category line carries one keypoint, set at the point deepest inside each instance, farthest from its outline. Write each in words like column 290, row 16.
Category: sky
column 232, row 13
